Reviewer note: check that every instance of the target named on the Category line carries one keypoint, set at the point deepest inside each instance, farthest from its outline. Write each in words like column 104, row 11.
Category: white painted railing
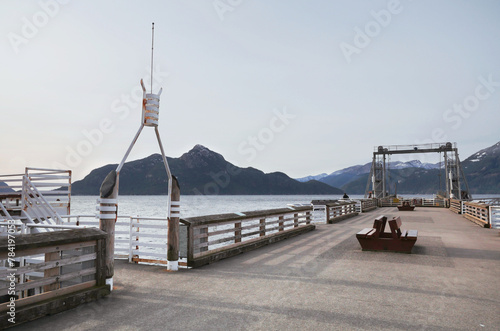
column 495, row 217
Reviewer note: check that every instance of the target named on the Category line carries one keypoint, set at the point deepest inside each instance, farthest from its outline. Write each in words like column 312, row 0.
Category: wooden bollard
column 173, row 227
column 108, row 212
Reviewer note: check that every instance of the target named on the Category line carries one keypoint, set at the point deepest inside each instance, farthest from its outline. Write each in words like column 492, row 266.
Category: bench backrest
column 379, row 224
column 395, row 225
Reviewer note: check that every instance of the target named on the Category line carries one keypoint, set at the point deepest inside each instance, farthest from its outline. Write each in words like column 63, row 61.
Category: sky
column 302, row 87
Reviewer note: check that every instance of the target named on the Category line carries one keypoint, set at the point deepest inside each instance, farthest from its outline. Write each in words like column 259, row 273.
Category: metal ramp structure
column 37, row 197
column 456, row 184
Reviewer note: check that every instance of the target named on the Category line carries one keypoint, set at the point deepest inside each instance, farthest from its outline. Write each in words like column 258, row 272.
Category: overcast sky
column 302, row 87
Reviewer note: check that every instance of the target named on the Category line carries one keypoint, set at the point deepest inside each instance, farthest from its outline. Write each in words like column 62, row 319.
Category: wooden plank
column 46, row 249
column 100, row 263
column 237, row 232
column 56, row 305
column 372, row 233
column 48, row 295
column 412, row 234
column 56, row 271
column 50, row 264
column 234, row 249
column 221, row 218
column 190, row 243
column 364, row 232
column 50, row 280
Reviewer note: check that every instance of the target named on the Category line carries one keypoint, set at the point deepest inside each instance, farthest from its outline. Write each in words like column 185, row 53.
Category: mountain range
column 482, row 171
column 199, row 171
column 202, row 171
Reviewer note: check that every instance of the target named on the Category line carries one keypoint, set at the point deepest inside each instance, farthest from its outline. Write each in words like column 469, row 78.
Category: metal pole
column 152, row 47
column 383, row 176
column 129, row 149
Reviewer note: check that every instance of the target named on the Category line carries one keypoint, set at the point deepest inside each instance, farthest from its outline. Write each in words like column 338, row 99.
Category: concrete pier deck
column 317, row 281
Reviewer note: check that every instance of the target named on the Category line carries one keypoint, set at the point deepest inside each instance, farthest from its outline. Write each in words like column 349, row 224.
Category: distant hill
column 199, row 171
column 482, row 171
column 4, row 188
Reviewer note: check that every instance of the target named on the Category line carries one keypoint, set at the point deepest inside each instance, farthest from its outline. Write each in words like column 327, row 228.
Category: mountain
column 4, row 188
column 308, row 178
column 199, row 171
column 482, row 171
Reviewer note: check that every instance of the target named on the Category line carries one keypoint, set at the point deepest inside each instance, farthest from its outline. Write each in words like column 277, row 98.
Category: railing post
column 296, row 220
column 308, row 217
column 280, row 223
column 262, row 227
column 100, row 262
column 190, row 243
column 173, row 227
column 108, row 212
column 52, row 271
column 489, row 217
column 203, row 230
column 130, row 240
column 237, row 232
column 327, row 208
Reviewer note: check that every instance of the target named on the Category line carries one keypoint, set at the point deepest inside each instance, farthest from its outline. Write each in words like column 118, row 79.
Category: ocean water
column 195, row 205
column 199, row 205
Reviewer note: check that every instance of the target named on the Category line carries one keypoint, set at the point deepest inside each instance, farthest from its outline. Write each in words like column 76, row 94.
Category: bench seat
column 375, row 239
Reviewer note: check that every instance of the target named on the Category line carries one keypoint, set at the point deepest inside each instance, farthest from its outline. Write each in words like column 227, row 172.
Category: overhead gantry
column 456, row 184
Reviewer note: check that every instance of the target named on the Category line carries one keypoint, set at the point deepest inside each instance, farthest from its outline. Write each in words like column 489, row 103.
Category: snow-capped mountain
column 308, row 178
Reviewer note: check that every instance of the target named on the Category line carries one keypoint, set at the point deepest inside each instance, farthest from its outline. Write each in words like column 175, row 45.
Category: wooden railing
column 340, row 210
column 50, row 272
column 456, row 206
column 206, row 239
column 419, row 202
column 477, row 213
column 366, row 205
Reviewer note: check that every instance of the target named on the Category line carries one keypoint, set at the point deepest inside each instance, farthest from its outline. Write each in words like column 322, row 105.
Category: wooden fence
column 340, row 210
column 478, row 213
column 46, row 273
column 418, row 202
column 485, row 212
column 366, row 205
column 456, row 206
column 206, row 239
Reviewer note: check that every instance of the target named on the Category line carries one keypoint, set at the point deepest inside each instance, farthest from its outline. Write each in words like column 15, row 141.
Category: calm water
column 197, row 205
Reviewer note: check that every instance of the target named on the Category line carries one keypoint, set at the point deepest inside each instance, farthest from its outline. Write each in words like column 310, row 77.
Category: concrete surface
column 317, row 281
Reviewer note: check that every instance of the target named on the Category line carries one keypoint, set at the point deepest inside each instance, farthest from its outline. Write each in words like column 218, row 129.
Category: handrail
column 214, row 237
column 28, row 186
column 62, row 279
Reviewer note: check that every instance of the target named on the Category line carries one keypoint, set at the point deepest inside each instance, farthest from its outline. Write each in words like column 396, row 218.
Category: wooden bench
column 375, row 239
column 406, row 206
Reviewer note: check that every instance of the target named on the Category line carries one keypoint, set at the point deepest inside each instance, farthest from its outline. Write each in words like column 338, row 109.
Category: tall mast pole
column 152, row 48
